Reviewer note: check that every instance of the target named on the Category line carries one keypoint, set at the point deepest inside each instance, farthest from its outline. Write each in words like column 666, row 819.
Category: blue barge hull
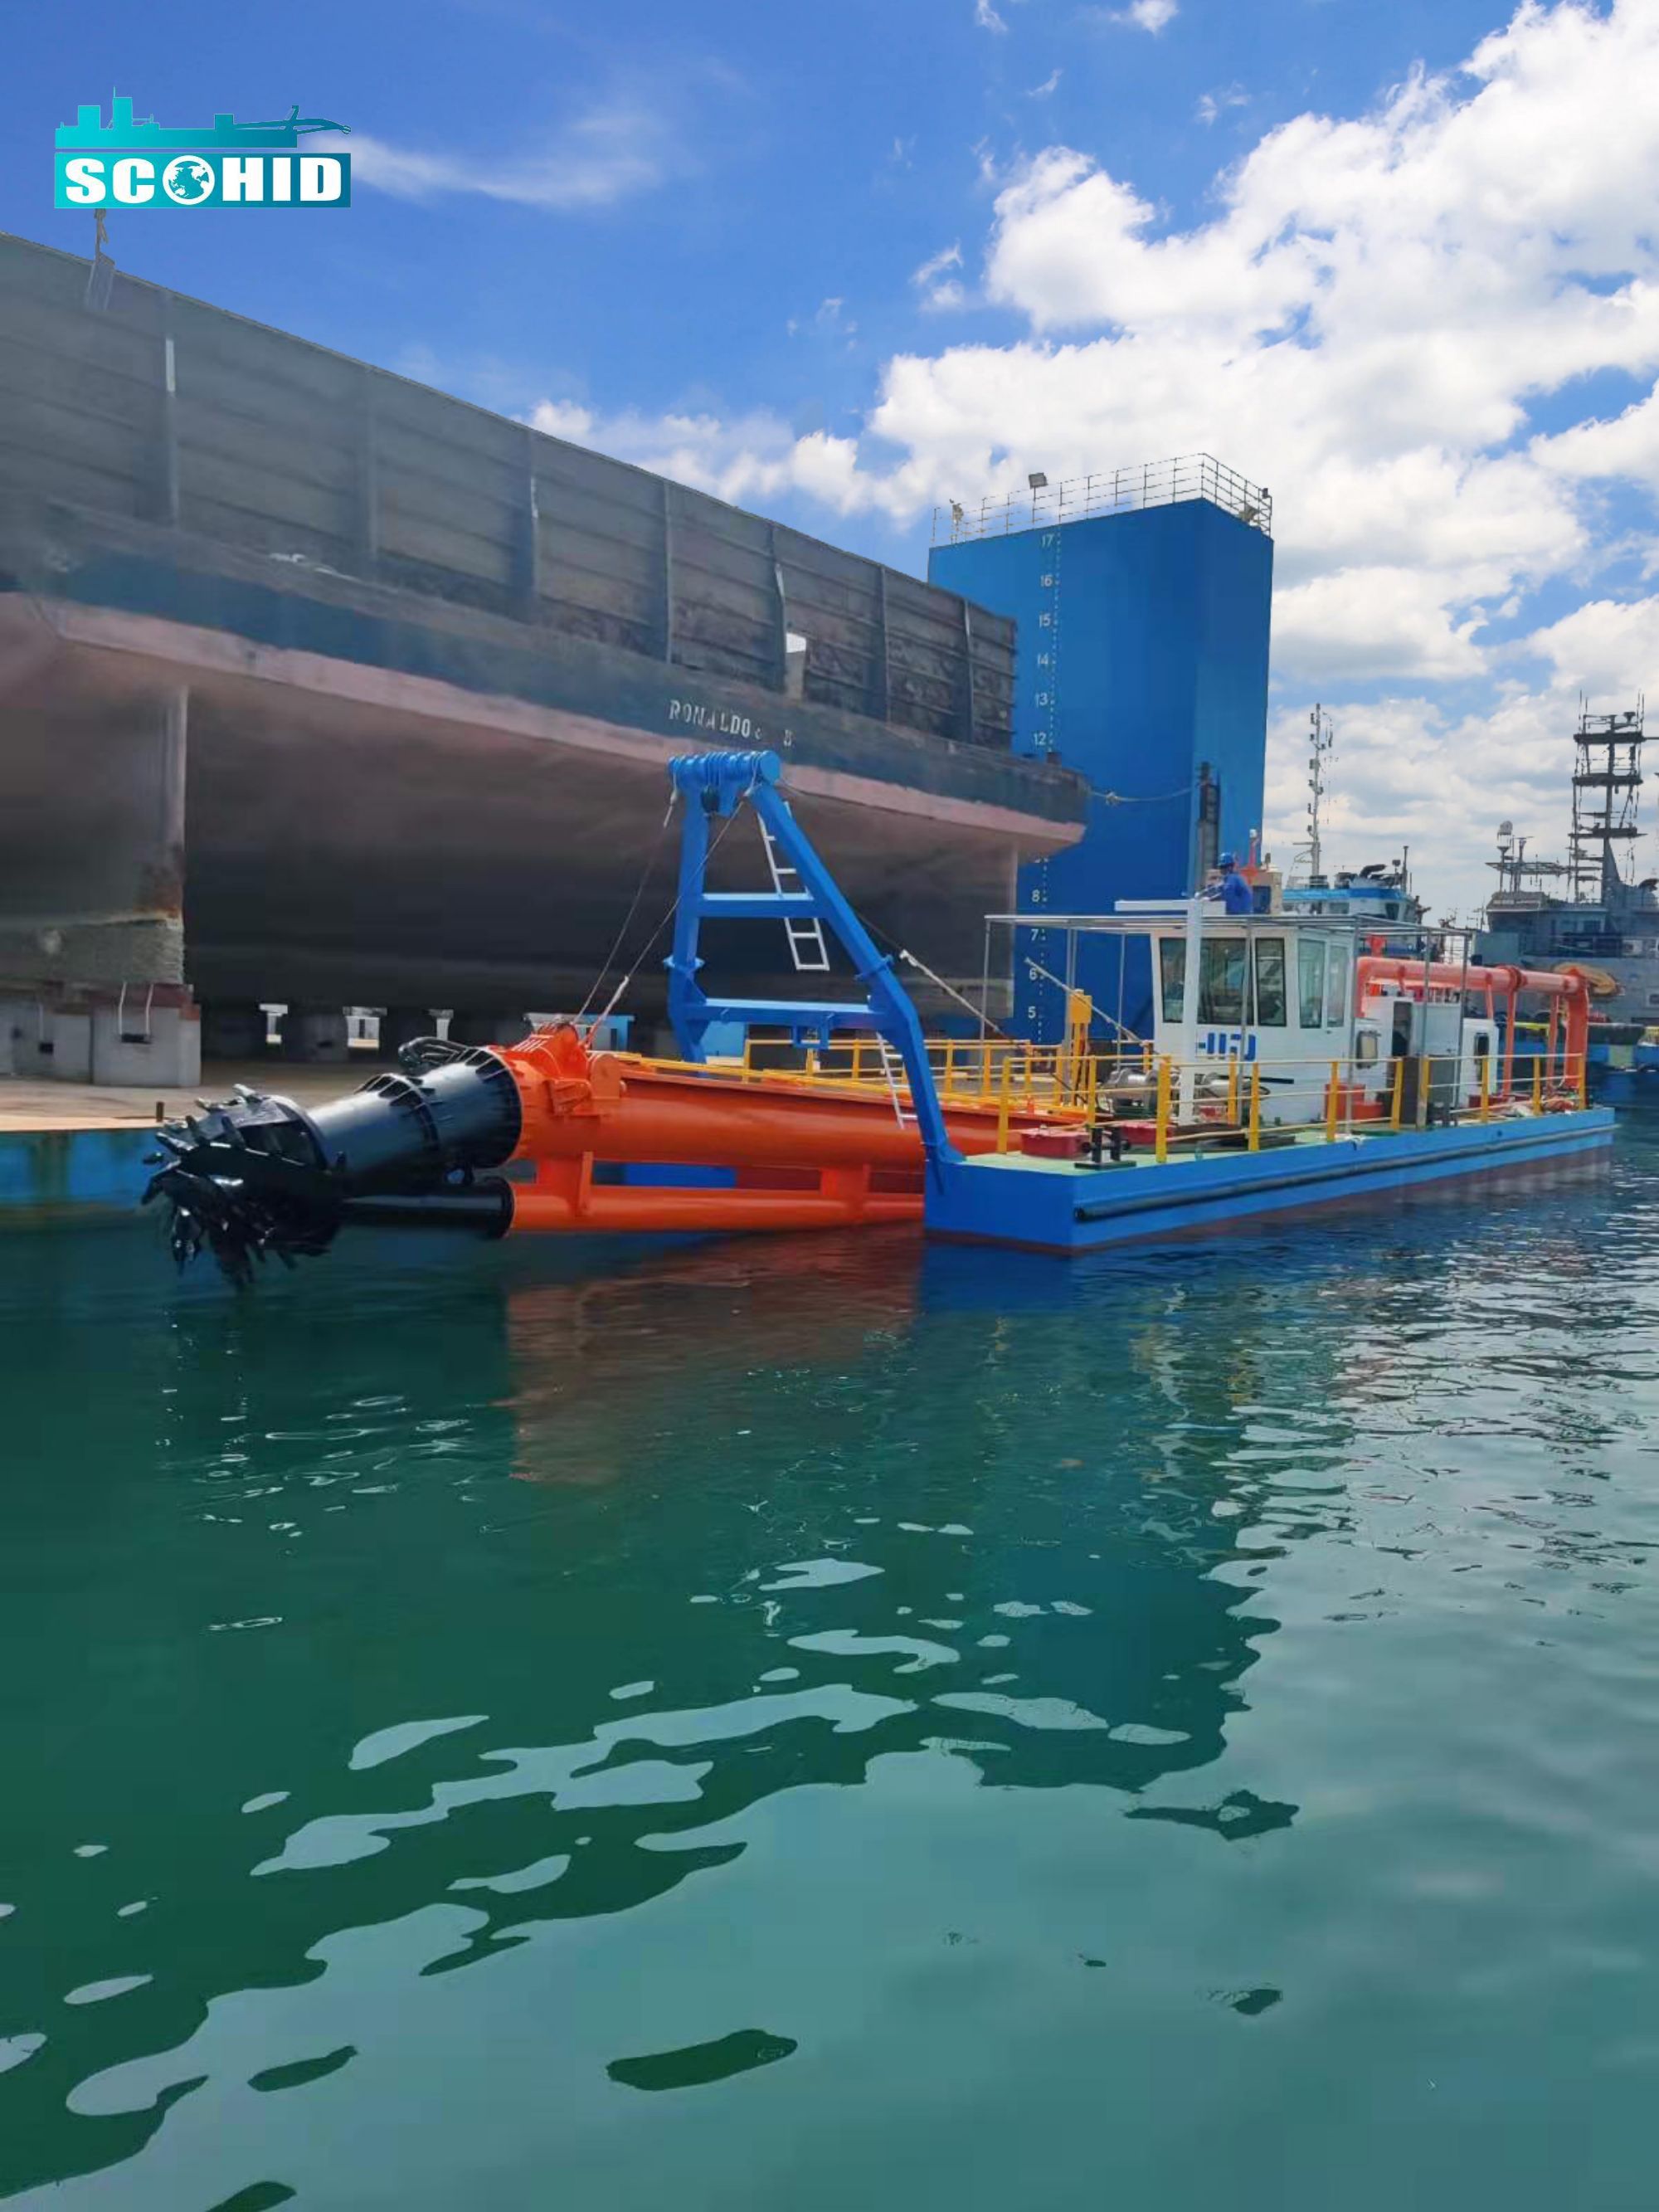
column 1052, row 1205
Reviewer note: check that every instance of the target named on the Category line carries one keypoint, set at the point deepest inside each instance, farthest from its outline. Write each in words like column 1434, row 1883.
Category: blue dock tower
column 1142, row 597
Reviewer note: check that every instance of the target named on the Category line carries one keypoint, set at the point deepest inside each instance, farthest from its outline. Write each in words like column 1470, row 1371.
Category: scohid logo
column 126, row 163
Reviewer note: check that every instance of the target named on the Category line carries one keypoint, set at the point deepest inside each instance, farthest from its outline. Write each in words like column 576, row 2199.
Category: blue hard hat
column 1227, row 860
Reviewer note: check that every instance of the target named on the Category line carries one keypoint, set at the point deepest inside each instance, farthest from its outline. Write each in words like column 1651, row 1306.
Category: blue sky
column 840, row 261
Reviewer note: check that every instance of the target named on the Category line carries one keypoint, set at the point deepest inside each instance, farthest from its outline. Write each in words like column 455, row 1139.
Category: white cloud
column 569, row 418
column 948, row 257
column 987, row 16
column 829, row 322
column 746, row 459
column 1626, row 446
column 1361, row 622
column 1147, row 15
column 1363, row 317
column 1211, row 104
column 1050, row 83
column 1609, row 648
column 938, row 289
column 605, row 156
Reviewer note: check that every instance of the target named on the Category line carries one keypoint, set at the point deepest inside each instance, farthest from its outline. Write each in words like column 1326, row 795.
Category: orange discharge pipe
column 1569, row 995
column 562, row 1199
column 807, row 1156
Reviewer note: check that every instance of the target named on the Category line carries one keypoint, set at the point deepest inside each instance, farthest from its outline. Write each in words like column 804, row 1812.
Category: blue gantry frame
column 713, row 786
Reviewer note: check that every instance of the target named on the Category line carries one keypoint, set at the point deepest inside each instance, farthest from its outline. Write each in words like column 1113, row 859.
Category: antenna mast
column 1321, row 740
column 1606, row 780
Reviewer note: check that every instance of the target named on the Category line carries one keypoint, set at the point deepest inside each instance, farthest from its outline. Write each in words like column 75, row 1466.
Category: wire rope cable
column 644, row 951
column 617, row 942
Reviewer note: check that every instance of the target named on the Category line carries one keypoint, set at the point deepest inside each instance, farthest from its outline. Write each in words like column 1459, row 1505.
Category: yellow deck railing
column 973, row 1071
column 1016, row 1080
column 1340, row 1098
column 1223, row 1101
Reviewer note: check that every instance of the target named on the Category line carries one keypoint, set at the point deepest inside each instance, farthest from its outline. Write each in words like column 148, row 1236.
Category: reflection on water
column 830, row 1724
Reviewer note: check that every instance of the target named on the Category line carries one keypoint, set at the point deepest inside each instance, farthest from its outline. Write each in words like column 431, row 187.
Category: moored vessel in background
column 1378, row 900
column 1590, row 912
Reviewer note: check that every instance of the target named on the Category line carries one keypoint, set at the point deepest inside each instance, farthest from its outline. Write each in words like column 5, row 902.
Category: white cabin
column 1276, row 993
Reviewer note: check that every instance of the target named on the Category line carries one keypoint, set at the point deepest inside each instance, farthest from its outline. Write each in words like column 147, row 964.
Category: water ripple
column 768, row 1724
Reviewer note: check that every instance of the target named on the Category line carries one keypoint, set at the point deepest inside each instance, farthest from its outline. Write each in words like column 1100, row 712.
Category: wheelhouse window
column 1336, row 987
column 1172, row 976
column 1270, row 1004
column 1310, row 978
column 1221, row 981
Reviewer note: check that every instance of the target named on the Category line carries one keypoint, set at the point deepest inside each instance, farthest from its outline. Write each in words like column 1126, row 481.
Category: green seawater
column 834, row 1727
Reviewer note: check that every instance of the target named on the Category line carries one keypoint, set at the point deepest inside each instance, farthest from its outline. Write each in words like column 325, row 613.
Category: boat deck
column 1057, row 1205
column 1184, row 1155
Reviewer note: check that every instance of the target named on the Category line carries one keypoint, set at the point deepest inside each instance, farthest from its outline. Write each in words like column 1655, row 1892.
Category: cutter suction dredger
column 542, row 1136
column 259, row 1177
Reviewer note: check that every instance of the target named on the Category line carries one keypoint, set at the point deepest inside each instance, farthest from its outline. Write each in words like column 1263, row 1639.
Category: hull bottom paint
column 1052, row 1206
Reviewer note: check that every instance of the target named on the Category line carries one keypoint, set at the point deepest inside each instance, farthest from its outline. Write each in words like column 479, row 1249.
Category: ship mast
column 1605, row 783
column 1321, row 739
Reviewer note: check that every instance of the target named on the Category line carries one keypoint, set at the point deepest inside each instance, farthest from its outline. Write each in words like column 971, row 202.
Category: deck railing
column 1225, row 1100
column 1107, row 491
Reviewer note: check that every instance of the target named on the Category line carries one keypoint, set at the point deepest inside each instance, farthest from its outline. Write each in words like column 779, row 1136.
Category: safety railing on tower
column 1107, row 491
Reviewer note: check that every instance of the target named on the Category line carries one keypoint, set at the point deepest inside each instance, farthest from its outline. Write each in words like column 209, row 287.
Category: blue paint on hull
column 1631, row 1080
column 44, row 1173
column 1066, row 1210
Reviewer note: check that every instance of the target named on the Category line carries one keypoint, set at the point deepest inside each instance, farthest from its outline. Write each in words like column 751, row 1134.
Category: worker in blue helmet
column 1233, row 890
